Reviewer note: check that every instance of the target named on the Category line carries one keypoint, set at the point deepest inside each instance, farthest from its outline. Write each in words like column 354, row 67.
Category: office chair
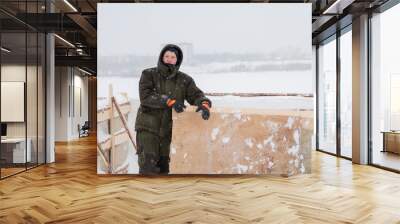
column 84, row 130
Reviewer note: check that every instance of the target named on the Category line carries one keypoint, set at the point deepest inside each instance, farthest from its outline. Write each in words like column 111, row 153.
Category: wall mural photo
column 194, row 89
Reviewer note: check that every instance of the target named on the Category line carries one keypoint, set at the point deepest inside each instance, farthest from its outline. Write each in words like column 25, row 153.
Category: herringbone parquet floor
column 70, row 191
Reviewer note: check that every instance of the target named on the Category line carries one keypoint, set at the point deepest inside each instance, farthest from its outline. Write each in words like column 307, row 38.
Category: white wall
column 80, row 84
column 14, row 73
column 62, row 81
column 70, row 83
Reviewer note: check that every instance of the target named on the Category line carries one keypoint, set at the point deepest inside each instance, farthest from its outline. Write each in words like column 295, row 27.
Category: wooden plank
column 104, row 114
column 120, row 137
column 103, row 156
column 122, row 117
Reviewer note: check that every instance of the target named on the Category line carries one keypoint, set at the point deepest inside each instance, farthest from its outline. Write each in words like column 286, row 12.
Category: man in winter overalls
column 162, row 89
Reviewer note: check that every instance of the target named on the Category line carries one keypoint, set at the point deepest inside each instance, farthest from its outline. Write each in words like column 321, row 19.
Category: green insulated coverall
column 154, row 118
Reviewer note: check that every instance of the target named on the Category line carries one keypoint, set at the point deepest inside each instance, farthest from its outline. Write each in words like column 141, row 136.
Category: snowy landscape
column 247, row 72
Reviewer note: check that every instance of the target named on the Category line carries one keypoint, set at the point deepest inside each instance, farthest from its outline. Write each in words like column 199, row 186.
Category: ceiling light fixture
column 5, row 50
column 337, row 7
column 84, row 71
column 65, row 41
column 70, row 5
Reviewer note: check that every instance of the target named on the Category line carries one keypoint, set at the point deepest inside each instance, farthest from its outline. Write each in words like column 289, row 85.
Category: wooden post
column 112, row 151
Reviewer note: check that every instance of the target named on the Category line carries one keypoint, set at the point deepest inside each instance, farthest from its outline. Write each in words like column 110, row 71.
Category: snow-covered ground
column 241, row 82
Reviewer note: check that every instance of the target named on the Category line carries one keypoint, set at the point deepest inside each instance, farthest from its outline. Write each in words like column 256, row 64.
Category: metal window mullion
column 37, row 91
column 26, row 87
column 0, row 94
column 369, row 89
column 338, row 98
column 45, row 95
column 317, row 97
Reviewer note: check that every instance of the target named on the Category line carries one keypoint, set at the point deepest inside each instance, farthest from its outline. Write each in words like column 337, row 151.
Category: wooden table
column 13, row 150
column 391, row 141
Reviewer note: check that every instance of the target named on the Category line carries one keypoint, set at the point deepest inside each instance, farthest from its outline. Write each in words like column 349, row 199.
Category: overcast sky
column 141, row 28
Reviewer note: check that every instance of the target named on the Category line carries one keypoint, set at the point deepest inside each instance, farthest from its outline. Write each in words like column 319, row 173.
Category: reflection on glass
column 13, row 73
column 22, row 91
column 31, row 100
column 327, row 97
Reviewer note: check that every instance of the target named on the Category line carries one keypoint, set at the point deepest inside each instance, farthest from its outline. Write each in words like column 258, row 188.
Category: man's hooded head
column 168, row 69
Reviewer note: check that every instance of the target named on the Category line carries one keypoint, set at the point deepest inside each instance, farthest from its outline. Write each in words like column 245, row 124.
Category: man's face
column 169, row 58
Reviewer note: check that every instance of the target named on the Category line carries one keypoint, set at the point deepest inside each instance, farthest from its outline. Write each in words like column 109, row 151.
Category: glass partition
column 385, row 89
column 346, row 93
column 13, row 86
column 22, row 88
